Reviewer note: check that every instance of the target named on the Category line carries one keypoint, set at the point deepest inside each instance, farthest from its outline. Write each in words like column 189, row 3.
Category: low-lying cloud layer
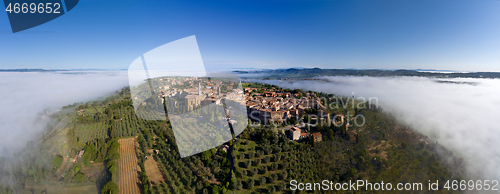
column 461, row 114
column 26, row 96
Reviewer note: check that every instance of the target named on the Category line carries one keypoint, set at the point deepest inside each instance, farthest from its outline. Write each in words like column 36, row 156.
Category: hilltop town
column 288, row 109
column 292, row 110
column 276, row 105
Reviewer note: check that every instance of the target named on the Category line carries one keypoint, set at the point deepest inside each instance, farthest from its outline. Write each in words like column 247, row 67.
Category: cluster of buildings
column 278, row 107
column 295, row 133
column 199, row 91
column 79, row 155
column 263, row 105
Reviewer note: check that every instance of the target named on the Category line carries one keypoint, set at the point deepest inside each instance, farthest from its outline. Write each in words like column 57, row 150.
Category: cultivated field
column 128, row 168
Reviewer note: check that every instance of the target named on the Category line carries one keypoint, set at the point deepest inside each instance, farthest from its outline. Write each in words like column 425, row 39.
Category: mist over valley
column 28, row 98
column 459, row 113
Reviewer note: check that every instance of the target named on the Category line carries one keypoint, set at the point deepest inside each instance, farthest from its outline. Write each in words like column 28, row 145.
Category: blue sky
column 384, row 34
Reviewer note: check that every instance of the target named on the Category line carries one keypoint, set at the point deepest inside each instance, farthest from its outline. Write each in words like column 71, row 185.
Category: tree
column 271, row 189
column 57, row 161
column 238, row 185
column 250, row 173
column 251, row 154
column 352, row 173
column 256, row 162
column 282, row 175
column 246, row 164
column 277, row 158
column 262, row 180
column 267, row 159
column 215, row 189
column 79, row 178
column 114, row 156
column 280, row 186
column 206, row 156
column 250, row 183
column 274, row 166
column 111, row 163
column 110, row 188
column 330, row 134
column 263, row 169
column 112, row 169
column 273, row 178
column 404, row 145
column 77, row 167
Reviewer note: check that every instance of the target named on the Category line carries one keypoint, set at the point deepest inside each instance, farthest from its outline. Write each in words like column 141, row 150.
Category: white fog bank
column 25, row 96
column 463, row 117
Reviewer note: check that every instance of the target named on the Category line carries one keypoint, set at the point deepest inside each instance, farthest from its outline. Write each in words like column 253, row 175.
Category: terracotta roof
column 317, row 134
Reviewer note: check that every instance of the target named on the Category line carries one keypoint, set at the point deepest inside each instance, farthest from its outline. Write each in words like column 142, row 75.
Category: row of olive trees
column 111, row 187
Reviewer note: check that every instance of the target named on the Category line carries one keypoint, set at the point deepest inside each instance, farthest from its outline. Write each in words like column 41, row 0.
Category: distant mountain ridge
column 314, row 72
column 54, row 70
column 25, row 70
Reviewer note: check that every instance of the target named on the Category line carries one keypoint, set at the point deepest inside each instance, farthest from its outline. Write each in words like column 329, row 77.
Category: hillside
column 265, row 158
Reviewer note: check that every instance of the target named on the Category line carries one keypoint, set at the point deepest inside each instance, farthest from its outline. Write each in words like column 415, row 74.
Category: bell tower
column 199, row 88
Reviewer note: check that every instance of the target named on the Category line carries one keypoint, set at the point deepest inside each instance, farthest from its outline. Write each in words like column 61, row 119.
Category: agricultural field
column 128, row 168
column 123, row 124
column 89, row 132
column 261, row 168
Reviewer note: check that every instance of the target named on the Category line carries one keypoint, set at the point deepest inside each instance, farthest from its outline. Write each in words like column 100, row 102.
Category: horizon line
column 251, row 69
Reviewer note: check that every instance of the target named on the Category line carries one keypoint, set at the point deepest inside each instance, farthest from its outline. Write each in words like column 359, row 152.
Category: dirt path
column 63, row 165
column 128, row 168
column 52, row 189
column 152, row 170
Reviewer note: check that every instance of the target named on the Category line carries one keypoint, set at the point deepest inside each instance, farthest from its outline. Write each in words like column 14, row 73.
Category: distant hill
column 54, row 70
column 313, row 72
column 27, row 70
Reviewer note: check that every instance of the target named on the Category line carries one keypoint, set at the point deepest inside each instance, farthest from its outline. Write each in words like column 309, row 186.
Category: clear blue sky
column 382, row 34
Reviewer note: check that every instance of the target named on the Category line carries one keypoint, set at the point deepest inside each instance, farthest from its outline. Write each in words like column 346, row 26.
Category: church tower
column 199, row 88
